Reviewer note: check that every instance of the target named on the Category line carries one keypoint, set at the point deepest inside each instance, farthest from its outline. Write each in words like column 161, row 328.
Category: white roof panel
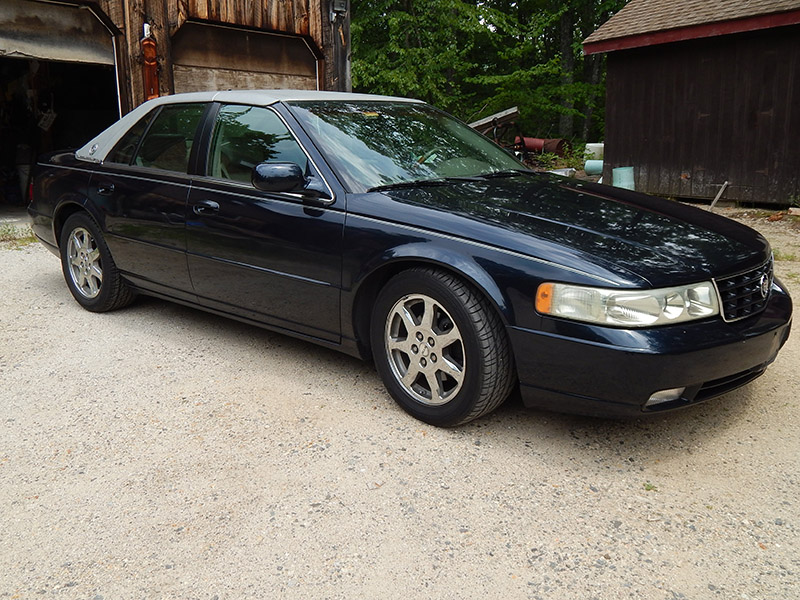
column 96, row 149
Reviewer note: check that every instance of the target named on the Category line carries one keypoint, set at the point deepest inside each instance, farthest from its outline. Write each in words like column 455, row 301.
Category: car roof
column 96, row 149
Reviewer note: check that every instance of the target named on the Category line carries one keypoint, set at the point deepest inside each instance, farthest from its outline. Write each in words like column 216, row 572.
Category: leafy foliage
column 474, row 59
column 414, row 48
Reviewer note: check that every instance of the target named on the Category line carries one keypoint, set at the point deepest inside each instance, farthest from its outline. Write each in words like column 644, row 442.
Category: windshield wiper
column 417, row 183
column 399, row 185
column 506, row 173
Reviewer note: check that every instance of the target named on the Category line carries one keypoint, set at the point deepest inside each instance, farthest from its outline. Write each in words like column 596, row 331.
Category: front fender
column 367, row 268
column 423, row 253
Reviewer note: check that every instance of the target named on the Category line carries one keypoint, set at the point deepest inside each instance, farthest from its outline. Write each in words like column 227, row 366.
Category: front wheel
column 90, row 272
column 440, row 348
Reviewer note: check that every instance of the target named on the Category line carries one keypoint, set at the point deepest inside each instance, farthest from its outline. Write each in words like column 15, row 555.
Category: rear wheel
column 440, row 348
column 90, row 272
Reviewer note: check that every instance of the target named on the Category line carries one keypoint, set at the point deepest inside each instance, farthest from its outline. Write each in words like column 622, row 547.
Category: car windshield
column 374, row 144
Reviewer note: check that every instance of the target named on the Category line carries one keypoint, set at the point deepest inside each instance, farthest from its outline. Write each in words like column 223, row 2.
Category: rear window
column 168, row 142
column 126, row 147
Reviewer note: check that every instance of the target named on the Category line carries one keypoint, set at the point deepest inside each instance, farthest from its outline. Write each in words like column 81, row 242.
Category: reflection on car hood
column 574, row 223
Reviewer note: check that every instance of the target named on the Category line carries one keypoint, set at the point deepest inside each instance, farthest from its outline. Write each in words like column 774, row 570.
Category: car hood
column 626, row 236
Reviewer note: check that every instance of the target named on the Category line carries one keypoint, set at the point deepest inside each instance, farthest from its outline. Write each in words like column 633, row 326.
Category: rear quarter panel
column 60, row 185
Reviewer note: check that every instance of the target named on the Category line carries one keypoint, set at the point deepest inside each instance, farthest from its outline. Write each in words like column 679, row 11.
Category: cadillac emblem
column 764, row 285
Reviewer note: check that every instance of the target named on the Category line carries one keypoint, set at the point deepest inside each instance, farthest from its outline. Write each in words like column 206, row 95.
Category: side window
column 169, row 140
column 123, row 152
column 245, row 136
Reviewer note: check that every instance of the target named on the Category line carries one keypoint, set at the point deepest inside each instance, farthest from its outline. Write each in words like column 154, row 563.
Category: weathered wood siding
column 301, row 17
column 690, row 116
column 210, row 58
column 308, row 19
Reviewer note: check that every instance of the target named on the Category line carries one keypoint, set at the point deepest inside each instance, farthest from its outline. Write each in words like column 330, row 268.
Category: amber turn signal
column 544, row 298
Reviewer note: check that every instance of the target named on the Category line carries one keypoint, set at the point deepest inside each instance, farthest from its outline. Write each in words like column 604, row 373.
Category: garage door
column 209, row 57
column 48, row 31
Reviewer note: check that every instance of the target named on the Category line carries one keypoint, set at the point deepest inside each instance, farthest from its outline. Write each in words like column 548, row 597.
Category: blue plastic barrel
column 593, row 167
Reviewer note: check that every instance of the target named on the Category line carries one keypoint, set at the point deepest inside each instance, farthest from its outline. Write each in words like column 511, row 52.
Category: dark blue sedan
column 384, row 228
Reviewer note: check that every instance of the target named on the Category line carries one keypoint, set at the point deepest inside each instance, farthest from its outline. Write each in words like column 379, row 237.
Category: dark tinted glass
column 378, row 143
column 126, row 146
column 169, row 140
column 246, row 136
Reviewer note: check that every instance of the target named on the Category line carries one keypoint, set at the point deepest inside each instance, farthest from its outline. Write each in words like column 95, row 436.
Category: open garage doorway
column 58, row 84
column 45, row 106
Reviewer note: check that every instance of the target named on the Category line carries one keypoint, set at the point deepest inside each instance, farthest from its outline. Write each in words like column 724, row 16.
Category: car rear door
column 142, row 189
column 268, row 257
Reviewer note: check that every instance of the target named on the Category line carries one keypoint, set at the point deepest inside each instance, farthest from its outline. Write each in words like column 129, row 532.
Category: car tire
column 90, row 272
column 440, row 348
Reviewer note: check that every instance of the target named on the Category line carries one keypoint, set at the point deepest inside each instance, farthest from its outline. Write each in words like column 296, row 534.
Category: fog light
column 665, row 396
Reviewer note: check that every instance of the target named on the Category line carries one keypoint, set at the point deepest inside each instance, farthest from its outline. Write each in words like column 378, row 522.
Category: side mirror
column 289, row 177
column 278, row 177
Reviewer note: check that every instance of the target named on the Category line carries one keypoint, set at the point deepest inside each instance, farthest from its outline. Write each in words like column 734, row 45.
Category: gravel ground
column 160, row 452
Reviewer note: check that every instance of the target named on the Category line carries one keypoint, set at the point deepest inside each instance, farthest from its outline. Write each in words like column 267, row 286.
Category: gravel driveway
column 160, row 452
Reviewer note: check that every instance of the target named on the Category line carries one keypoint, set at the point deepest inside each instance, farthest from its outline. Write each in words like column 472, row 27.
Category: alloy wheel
column 425, row 349
column 85, row 267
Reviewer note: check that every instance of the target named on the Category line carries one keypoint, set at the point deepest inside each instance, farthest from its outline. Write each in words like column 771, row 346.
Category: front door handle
column 105, row 189
column 206, row 207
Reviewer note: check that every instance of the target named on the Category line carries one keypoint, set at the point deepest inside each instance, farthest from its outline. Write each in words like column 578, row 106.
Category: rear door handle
column 205, row 207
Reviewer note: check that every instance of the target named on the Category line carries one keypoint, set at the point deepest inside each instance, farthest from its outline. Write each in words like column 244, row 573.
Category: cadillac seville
column 388, row 230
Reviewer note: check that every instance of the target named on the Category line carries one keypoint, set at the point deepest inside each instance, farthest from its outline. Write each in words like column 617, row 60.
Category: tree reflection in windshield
column 371, row 144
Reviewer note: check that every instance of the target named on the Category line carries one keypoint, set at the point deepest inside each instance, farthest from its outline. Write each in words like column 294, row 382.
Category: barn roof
column 652, row 22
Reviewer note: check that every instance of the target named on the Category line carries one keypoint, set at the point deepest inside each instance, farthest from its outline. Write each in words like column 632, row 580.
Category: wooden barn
column 70, row 68
column 704, row 92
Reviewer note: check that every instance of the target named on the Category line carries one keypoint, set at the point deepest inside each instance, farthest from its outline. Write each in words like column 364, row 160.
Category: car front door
column 269, row 257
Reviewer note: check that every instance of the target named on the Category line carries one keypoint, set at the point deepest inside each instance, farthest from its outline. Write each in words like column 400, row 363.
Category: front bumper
column 577, row 368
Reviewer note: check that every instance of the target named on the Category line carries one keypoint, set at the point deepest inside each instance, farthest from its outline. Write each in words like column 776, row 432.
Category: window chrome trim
column 246, row 191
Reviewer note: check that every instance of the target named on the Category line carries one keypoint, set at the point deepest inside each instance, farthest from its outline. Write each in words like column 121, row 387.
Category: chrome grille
column 745, row 294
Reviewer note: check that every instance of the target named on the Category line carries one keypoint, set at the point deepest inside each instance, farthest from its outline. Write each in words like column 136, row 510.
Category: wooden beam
column 336, row 44
column 503, row 117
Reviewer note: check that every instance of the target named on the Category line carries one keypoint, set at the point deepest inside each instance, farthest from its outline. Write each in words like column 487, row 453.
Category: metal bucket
column 538, row 145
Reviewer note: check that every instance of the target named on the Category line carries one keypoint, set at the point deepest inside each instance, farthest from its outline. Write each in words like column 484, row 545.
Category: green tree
column 415, row 48
column 475, row 59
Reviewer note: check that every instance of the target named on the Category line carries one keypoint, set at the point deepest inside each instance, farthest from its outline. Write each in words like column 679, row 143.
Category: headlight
column 628, row 308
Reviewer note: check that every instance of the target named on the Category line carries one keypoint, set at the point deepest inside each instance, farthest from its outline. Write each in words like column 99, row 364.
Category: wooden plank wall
column 301, row 17
column 692, row 115
column 205, row 58
column 307, row 18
